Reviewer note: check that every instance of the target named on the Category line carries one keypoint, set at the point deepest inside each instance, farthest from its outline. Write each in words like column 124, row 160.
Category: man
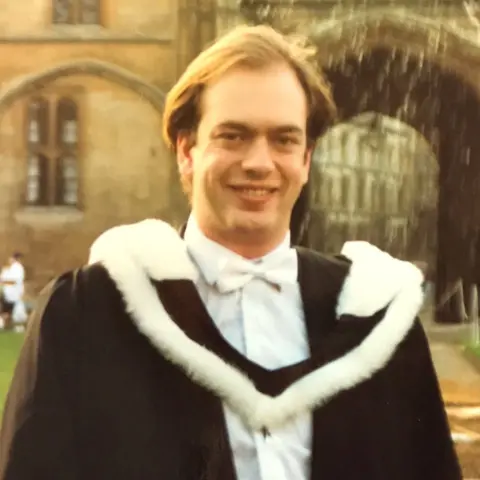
column 12, row 280
column 227, row 354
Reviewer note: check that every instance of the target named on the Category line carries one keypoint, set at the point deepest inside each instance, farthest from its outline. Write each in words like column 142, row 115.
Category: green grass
column 10, row 344
column 474, row 350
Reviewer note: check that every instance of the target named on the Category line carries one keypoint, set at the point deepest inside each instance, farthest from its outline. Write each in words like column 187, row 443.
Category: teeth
column 255, row 191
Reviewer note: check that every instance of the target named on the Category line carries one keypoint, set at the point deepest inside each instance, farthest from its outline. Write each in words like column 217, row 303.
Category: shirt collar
column 211, row 257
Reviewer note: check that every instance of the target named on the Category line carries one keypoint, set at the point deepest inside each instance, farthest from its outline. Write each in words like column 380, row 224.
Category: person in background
column 12, row 279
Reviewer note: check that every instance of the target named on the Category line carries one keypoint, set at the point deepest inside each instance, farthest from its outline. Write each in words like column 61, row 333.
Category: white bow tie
column 277, row 269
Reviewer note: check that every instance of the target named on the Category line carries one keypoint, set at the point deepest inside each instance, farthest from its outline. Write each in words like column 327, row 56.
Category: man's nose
column 259, row 157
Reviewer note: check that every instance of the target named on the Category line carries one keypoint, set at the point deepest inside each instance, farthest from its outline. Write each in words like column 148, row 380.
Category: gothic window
column 326, row 189
column 52, row 144
column 38, row 122
column 62, row 12
column 393, row 198
column 76, row 12
column 336, row 190
column 345, row 190
column 374, row 195
column 404, row 196
column 36, row 179
column 369, row 193
column 360, row 194
column 67, row 180
column 382, row 197
column 67, row 122
column 90, row 12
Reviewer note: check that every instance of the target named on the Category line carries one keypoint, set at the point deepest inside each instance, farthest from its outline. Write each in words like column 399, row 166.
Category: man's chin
column 252, row 222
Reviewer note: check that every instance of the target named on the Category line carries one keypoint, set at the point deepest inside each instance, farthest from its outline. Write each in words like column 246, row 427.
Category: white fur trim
column 134, row 254
column 375, row 278
column 152, row 245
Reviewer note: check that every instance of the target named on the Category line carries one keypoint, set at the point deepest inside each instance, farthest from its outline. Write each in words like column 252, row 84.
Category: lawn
column 10, row 344
column 475, row 350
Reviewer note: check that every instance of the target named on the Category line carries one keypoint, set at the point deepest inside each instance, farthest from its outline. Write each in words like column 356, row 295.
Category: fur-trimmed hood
column 153, row 250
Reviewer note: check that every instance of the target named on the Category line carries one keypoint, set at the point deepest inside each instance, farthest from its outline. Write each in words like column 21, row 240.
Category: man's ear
column 308, row 156
column 307, row 163
column 184, row 153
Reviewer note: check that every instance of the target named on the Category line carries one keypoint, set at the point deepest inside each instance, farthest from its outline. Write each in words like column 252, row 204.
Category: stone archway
column 445, row 109
column 430, row 40
column 448, row 64
column 113, row 73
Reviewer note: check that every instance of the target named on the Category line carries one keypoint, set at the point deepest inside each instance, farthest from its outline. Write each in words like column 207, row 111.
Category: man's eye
column 230, row 136
column 287, row 140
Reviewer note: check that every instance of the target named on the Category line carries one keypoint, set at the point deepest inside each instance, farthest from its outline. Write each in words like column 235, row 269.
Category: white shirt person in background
column 12, row 279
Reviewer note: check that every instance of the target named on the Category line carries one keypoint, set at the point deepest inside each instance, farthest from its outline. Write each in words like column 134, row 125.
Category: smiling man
column 249, row 160
column 225, row 353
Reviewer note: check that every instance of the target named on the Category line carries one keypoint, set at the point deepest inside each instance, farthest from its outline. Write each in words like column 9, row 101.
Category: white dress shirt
column 267, row 326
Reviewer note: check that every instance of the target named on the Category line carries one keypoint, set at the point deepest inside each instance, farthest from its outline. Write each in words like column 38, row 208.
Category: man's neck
column 245, row 246
column 249, row 244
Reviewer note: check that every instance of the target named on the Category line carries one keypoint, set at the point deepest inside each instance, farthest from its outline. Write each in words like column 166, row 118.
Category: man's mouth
column 255, row 191
column 254, row 197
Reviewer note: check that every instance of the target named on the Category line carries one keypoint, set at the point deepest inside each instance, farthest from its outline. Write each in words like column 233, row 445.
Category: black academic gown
column 98, row 394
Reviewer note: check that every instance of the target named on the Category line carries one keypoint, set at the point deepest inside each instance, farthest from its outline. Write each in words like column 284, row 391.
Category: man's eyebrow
column 288, row 129
column 234, row 125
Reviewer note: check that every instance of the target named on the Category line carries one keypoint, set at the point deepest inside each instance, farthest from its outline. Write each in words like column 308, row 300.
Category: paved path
column 460, row 384
column 459, row 380
column 452, row 365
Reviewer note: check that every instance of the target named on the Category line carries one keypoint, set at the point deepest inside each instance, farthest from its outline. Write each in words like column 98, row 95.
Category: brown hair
column 251, row 47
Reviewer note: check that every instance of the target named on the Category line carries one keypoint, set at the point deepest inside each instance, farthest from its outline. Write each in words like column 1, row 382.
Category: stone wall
column 120, row 71
column 125, row 172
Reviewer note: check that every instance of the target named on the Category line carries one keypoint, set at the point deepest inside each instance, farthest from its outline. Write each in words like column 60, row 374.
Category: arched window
column 37, row 179
column 52, row 144
column 67, row 180
column 90, row 12
column 393, row 197
column 374, row 195
column 382, row 205
column 38, row 122
column 345, row 190
column 62, row 12
column 72, row 12
column 326, row 189
column 67, row 123
column 369, row 193
column 404, row 196
column 360, row 193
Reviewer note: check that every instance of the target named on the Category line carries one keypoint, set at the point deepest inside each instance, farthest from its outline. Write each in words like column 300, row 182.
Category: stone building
column 376, row 180
column 82, row 88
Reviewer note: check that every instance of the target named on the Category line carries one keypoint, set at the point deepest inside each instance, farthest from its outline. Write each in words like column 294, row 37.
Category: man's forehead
column 265, row 96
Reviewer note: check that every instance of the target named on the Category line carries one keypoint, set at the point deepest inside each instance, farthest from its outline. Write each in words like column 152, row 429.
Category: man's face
column 250, row 160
